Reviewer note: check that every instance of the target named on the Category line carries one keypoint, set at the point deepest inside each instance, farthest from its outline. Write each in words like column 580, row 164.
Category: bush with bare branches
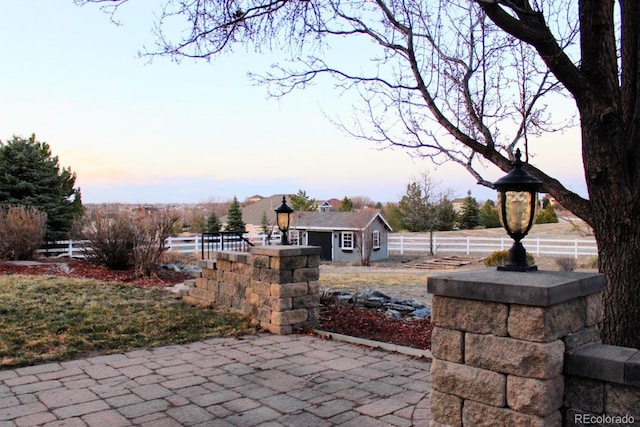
column 151, row 231
column 110, row 238
column 566, row 263
column 22, row 231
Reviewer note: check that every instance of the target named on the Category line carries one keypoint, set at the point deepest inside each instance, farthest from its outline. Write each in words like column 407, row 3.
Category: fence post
column 575, row 248
column 70, row 248
column 537, row 246
column 468, row 245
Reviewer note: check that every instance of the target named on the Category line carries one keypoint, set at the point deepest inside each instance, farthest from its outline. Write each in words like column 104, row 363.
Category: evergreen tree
column 394, row 216
column 346, row 205
column 213, row 223
column 302, row 202
column 489, row 217
column 234, row 218
column 264, row 222
column 547, row 215
column 417, row 215
column 32, row 177
column 470, row 215
column 446, row 214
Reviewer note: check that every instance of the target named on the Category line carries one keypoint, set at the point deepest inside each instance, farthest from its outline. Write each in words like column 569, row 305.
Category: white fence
column 184, row 244
column 402, row 245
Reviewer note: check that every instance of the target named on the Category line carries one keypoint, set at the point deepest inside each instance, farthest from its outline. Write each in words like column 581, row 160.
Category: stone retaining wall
column 516, row 348
column 276, row 285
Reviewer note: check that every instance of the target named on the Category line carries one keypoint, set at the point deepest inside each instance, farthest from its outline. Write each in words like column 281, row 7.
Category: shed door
column 324, row 241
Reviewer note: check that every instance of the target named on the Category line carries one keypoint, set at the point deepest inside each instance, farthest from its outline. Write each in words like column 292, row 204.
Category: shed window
column 347, row 240
column 375, row 239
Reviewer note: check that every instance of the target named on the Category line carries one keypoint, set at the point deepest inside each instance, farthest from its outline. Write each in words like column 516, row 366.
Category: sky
column 136, row 131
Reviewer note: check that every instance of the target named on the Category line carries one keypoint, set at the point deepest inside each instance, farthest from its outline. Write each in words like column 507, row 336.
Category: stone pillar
column 499, row 340
column 285, row 293
column 277, row 285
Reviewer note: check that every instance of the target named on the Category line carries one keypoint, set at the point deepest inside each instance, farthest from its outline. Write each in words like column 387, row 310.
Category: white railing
column 183, row 244
column 402, row 244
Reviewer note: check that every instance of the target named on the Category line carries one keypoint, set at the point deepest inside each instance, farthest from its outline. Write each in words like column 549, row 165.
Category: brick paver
column 267, row 380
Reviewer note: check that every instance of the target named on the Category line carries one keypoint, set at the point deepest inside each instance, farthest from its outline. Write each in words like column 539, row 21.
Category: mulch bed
column 84, row 270
column 375, row 325
column 334, row 317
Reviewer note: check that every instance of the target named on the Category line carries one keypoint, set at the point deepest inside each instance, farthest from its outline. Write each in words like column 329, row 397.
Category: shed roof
column 337, row 220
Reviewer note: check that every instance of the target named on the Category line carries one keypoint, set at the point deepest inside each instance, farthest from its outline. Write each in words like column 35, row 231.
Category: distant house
column 331, row 205
column 343, row 236
column 252, row 213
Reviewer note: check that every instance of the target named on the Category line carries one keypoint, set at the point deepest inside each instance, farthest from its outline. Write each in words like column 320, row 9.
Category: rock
column 421, row 313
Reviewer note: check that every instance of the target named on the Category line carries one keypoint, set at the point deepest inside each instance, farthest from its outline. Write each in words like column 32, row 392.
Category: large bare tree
column 467, row 81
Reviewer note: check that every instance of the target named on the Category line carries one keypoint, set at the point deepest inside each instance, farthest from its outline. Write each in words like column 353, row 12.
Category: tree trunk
column 612, row 180
column 619, row 259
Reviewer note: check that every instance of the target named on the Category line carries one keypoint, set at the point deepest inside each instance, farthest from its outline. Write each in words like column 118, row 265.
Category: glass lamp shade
column 518, row 211
column 517, row 206
column 283, row 216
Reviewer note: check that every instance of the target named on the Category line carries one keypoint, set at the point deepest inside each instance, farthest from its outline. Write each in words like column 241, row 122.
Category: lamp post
column 283, row 218
column 517, row 204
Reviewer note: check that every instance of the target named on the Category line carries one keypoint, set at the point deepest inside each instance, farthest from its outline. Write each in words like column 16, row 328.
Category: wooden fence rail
column 403, row 244
column 398, row 245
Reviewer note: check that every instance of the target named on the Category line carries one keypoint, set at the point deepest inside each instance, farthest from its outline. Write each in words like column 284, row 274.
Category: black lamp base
column 517, row 259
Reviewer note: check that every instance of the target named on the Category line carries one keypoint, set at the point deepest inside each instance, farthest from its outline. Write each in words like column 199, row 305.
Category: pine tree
column 234, row 218
column 447, row 217
column 470, row 215
column 346, row 205
column 213, row 223
column 489, row 217
column 32, row 177
column 302, row 202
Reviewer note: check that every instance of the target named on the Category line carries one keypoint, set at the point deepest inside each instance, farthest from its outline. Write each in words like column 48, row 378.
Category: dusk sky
column 162, row 132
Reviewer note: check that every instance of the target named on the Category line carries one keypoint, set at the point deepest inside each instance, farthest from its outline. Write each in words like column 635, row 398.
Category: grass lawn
column 47, row 318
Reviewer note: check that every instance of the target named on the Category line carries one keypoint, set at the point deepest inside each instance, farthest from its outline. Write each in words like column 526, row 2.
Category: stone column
column 499, row 341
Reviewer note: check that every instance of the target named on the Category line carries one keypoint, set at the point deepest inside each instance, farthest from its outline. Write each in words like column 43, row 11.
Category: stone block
column 472, row 316
column 306, row 301
column 223, row 264
column 622, row 400
column 276, row 304
column 306, row 274
column 202, row 294
column 231, row 277
column 539, row 288
column 277, row 276
column 290, row 317
column 201, row 283
column 288, row 263
column 209, row 274
column 289, row 289
column 544, row 324
column 590, row 335
column 447, row 344
column 516, row 357
column 313, row 317
column 277, row 329
column 477, row 414
column 263, row 315
column 253, row 299
column 533, row 396
column 468, row 382
column 259, row 261
column 313, row 261
column 261, row 288
column 446, row 408
column 187, row 299
column 314, row 288
column 227, row 288
column 584, row 394
column 600, row 361
column 594, row 312
column 256, row 273
column 213, row 286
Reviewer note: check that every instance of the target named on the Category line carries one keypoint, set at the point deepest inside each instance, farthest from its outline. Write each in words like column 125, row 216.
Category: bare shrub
column 22, row 231
column 498, row 258
column 151, row 231
column 110, row 237
column 566, row 263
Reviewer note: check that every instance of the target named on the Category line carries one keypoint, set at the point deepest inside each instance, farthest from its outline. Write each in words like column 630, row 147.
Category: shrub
column 22, row 231
column 151, row 230
column 502, row 258
column 566, row 264
column 110, row 237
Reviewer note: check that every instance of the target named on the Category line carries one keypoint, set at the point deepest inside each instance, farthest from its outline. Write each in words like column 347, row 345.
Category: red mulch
column 342, row 319
column 375, row 325
column 84, row 270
